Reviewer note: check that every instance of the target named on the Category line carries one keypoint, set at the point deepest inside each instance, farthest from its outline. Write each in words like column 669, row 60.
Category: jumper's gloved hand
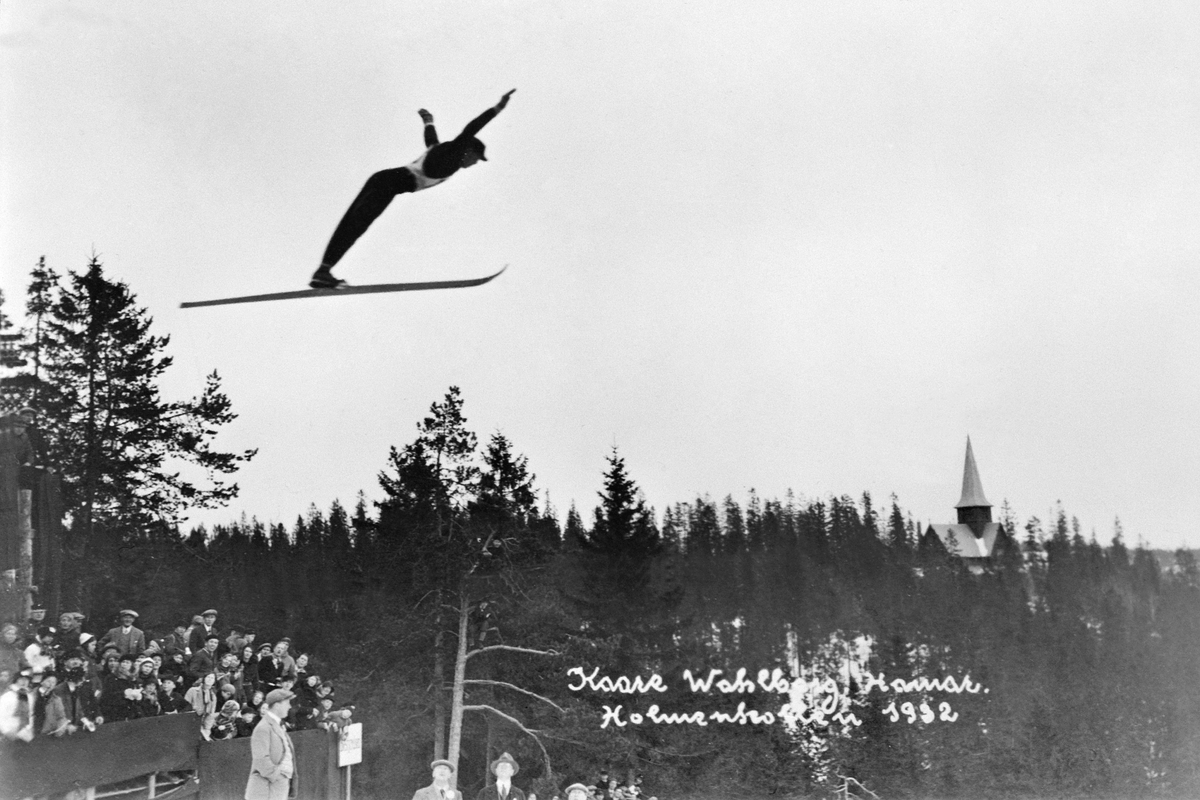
column 426, row 117
column 504, row 100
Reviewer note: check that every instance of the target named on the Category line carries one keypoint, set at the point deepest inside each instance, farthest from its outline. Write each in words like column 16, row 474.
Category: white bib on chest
column 417, row 168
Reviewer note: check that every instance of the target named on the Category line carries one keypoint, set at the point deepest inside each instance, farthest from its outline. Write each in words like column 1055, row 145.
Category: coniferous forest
column 463, row 619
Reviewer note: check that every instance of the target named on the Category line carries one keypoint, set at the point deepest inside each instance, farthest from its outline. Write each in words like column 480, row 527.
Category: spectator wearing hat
column 12, row 657
column 37, row 618
column 201, row 632
column 204, row 660
column 332, row 719
column 122, row 693
column 169, row 698
column 224, row 725
column 176, row 667
column 146, row 671
column 247, row 720
column 127, row 638
column 176, row 639
column 151, row 704
column 68, row 631
column 232, row 641
column 504, row 768
column 269, row 668
column 440, row 789
column 577, row 791
column 88, row 644
column 48, row 714
column 110, row 662
column 77, row 696
column 16, row 712
column 272, row 756
column 225, row 693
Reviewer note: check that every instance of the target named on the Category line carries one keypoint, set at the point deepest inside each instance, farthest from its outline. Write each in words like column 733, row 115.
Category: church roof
column 969, row 545
column 972, row 490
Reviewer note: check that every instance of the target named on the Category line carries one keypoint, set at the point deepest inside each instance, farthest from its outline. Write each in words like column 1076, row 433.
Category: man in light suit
column 503, row 768
column 127, row 639
column 440, row 789
column 273, row 759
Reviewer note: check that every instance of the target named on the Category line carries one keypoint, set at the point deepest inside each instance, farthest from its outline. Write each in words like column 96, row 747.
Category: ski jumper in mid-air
column 436, row 164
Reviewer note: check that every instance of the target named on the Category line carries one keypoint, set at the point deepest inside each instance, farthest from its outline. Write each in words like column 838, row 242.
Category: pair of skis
column 377, row 288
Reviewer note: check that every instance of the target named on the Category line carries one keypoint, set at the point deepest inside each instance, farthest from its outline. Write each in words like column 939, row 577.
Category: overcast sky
column 770, row 244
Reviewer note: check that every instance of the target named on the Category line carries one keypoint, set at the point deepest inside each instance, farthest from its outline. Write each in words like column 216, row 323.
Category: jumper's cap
column 478, row 147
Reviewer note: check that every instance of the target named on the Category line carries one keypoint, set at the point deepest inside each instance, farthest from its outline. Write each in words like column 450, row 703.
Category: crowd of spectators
column 605, row 787
column 56, row 681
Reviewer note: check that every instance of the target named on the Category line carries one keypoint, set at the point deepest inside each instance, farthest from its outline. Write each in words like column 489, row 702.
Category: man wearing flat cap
column 201, row 632
column 504, row 768
column 440, row 789
column 127, row 639
column 273, row 760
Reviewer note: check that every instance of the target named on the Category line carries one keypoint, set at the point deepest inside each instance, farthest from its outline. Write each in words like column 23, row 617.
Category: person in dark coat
column 504, row 768
column 170, row 699
column 249, row 669
column 175, row 665
column 269, row 668
column 199, row 633
column 78, row 697
column 67, row 639
column 439, row 161
column 122, row 693
column 204, row 660
column 176, row 640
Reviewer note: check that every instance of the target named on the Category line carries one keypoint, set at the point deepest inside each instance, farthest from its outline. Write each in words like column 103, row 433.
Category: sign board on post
column 350, row 745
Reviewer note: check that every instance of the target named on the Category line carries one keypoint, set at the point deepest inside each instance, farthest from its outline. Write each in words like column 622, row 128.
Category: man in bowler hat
column 504, row 768
column 273, row 758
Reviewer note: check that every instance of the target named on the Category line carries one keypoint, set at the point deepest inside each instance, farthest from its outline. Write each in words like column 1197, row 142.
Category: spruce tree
column 127, row 456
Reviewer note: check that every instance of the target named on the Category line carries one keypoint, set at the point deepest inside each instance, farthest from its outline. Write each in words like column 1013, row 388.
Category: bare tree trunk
column 439, row 700
column 460, row 673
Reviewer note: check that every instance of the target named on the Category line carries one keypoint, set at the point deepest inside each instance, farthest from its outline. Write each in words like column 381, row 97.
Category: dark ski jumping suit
column 435, row 165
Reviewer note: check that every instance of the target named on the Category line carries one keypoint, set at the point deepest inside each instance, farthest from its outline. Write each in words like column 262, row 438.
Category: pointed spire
column 972, row 490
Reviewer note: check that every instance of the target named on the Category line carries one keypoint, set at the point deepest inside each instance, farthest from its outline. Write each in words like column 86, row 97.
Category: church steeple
column 973, row 508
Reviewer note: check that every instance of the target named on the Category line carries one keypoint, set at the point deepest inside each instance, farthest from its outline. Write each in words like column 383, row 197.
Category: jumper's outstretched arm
column 430, row 131
column 476, row 125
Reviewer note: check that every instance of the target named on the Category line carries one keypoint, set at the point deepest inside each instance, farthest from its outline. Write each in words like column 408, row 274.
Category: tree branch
column 517, row 723
column 516, row 689
column 513, row 649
